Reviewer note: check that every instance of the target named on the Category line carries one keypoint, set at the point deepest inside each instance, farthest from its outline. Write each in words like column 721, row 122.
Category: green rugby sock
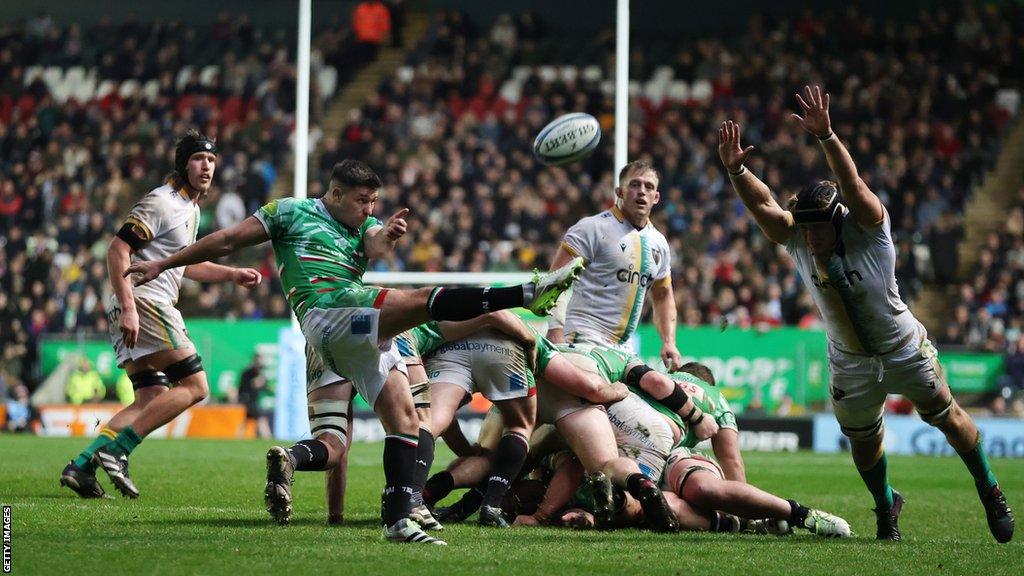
column 877, row 480
column 125, row 442
column 977, row 463
column 84, row 458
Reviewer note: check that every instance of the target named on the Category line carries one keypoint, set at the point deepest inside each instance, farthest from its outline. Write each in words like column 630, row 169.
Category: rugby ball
column 567, row 139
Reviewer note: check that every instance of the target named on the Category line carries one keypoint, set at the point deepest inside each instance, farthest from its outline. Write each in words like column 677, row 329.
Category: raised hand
column 396, row 226
column 733, row 156
column 815, row 106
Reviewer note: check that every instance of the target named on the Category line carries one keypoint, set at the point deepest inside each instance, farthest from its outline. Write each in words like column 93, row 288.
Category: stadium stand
column 88, row 122
column 88, row 118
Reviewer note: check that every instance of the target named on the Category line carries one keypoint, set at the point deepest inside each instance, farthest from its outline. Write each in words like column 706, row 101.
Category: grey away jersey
column 170, row 222
column 622, row 264
column 856, row 290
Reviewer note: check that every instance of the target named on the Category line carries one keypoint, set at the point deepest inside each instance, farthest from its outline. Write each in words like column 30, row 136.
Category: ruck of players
column 582, row 433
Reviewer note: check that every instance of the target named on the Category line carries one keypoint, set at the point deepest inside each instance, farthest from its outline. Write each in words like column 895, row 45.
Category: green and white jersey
column 426, row 338
column 709, row 399
column 611, row 362
column 316, row 255
column 545, row 352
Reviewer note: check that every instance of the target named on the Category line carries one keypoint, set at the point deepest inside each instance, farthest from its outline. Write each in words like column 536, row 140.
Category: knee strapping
column 938, row 417
column 184, row 368
column 329, row 417
column 869, row 432
column 149, row 378
column 420, row 394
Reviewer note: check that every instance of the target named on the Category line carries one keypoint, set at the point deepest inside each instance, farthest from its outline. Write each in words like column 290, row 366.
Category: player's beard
column 201, row 193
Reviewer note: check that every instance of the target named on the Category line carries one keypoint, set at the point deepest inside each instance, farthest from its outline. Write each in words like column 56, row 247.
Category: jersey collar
column 323, row 210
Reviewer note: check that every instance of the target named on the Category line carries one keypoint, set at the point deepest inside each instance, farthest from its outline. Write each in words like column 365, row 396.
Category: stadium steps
column 984, row 213
column 355, row 93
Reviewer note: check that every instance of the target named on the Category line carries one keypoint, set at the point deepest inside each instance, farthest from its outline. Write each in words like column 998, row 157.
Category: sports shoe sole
column 278, row 493
column 658, row 515
column 71, row 482
column 546, row 299
column 604, row 505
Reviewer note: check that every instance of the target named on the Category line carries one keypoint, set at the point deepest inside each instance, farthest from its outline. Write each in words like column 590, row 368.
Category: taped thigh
column 184, row 368
column 869, row 432
column 420, row 394
column 148, row 378
column 937, row 417
column 328, row 416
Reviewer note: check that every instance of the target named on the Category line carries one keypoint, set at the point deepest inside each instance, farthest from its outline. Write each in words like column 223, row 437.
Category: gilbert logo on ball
column 567, row 139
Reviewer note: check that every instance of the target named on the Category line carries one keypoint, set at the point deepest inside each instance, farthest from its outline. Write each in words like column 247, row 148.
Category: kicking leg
column 404, row 309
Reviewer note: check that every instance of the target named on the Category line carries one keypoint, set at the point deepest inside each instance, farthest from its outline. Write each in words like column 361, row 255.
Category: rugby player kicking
column 322, row 247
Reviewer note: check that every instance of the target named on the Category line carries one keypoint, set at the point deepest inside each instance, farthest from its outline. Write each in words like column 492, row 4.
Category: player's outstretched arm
column 210, row 272
column 248, row 232
column 776, row 223
column 862, row 202
column 381, row 240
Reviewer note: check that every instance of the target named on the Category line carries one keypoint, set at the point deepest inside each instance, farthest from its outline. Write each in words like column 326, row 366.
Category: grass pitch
column 201, row 512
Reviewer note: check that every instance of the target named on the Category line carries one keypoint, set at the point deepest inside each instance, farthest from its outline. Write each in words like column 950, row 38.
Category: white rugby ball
column 567, row 139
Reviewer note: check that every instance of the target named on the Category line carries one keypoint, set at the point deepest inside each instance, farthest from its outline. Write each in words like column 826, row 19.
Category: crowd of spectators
column 989, row 311
column 918, row 102
column 73, row 161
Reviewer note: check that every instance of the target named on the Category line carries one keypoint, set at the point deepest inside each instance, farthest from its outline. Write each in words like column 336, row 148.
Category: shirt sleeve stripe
column 572, row 251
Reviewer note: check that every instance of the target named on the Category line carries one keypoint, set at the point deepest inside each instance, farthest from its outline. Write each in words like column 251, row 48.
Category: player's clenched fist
column 705, row 427
column 247, row 277
column 396, row 226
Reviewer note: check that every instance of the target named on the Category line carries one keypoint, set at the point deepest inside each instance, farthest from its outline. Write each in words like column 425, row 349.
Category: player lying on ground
column 587, row 432
column 146, row 330
column 645, row 431
column 847, row 259
column 322, row 247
